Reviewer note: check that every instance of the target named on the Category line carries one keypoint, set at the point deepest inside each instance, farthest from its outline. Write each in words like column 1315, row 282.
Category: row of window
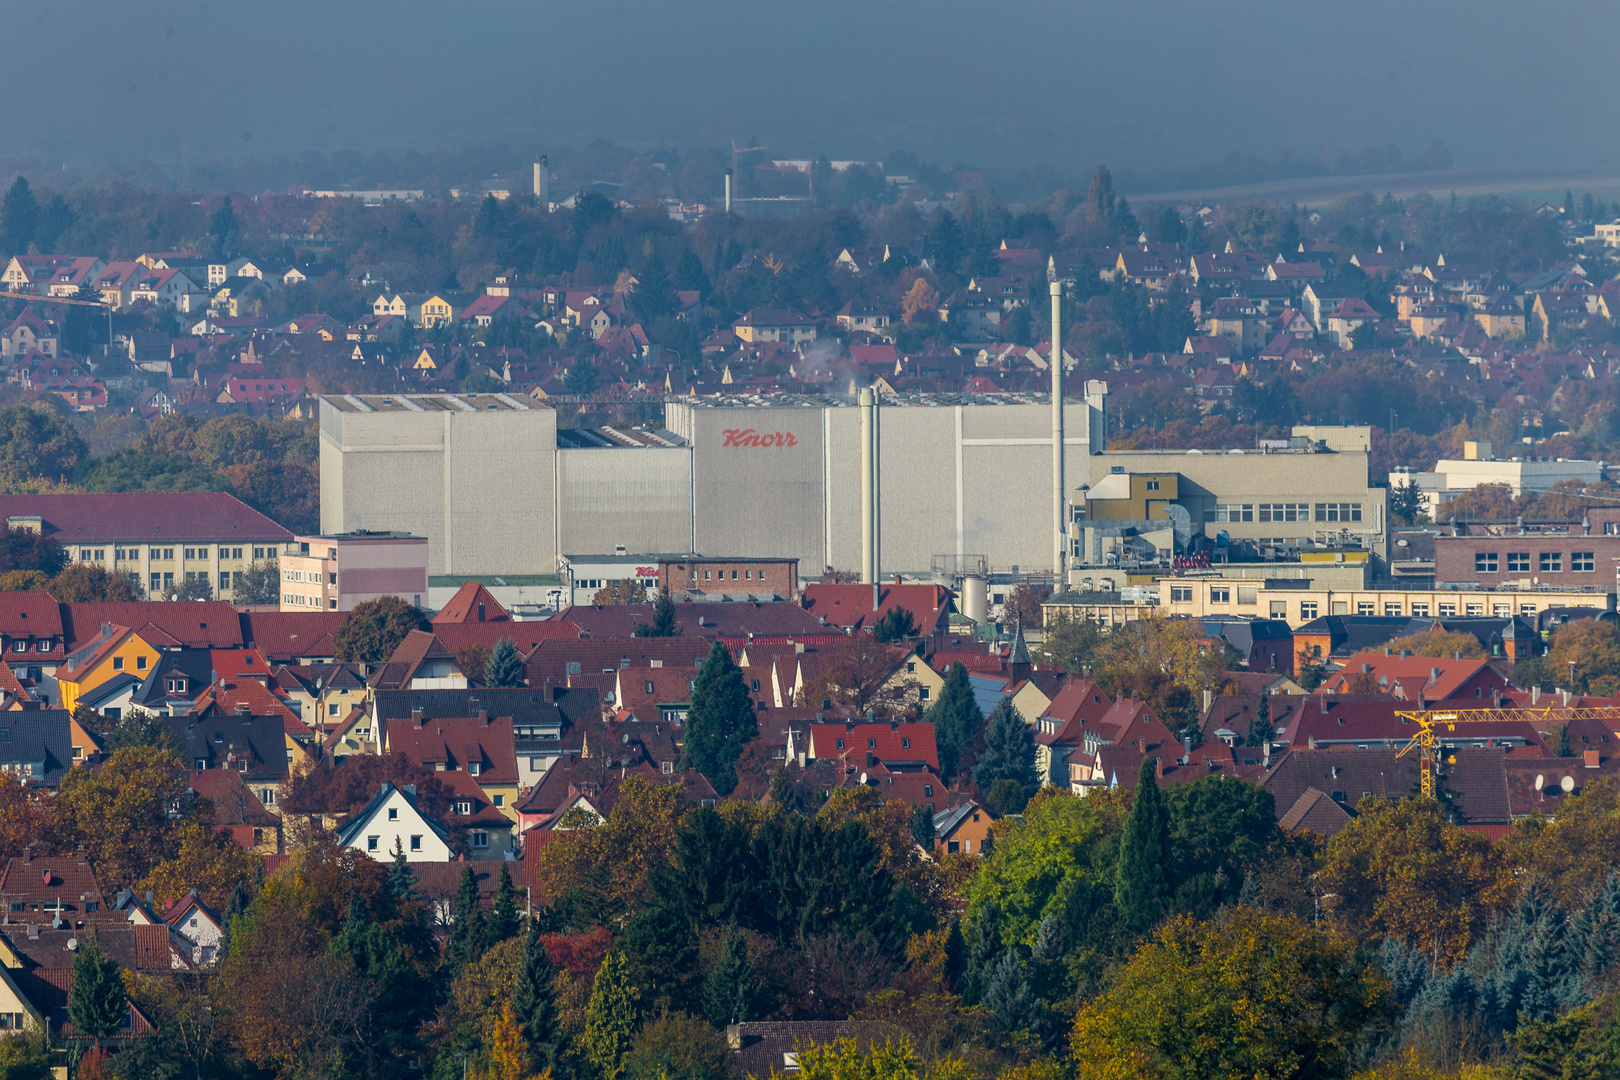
column 308, row 576
column 300, row 600
column 1310, row 609
column 21, row 646
column 161, row 583
column 1283, row 512
column 166, row 554
column 1547, row 562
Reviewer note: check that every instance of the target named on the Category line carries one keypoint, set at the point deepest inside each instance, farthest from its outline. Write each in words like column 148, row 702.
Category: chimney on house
column 483, row 718
column 480, row 611
column 416, row 717
column 548, row 695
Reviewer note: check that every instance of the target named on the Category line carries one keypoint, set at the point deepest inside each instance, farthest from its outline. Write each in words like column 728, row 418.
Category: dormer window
column 474, row 768
column 464, row 807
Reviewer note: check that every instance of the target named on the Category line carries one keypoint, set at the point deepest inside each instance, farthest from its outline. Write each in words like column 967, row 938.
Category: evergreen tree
column 720, row 720
column 956, row 719
column 664, row 623
column 225, row 231
column 781, row 787
column 505, row 666
column 401, row 878
column 97, row 1004
column 503, row 921
column 1007, row 995
column 922, row 827
column 1142, row 885
column 1009, row 751
column 1260, row 728
column 1595, row 933
column 533, row 999
column 19, row 218
column 611, row 1016
column 729, row 994
column 1565, row 749
column 983, row 946
column 955, row 956
column 467, row 935
column 897, row 624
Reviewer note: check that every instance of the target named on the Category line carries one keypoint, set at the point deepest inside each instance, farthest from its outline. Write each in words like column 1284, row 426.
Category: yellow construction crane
column 1431, row 720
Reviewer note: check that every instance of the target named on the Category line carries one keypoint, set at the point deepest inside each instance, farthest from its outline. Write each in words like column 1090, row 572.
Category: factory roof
column 403, row 403
column 605, row 436
column 820, row 401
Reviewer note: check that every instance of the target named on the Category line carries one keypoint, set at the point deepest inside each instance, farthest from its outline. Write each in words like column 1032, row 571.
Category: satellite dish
column 1568, row 784
column 1540, row 781
column 73, row 944
column 863, row 778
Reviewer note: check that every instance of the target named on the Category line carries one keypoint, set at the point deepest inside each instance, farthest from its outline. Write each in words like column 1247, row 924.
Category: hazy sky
column 1133, row 82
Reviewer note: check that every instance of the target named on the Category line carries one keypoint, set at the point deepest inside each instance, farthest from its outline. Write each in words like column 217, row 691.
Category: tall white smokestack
column 542, row 183
column 868, row 502
column 728, row 191
column 1060, row 560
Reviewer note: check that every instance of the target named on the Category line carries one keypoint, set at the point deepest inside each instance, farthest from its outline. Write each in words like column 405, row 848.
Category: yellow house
column 17, row 1013
column 1501, row 320
column 116, row 650
column 435, row 311
column 355, row 734
column 424, row 361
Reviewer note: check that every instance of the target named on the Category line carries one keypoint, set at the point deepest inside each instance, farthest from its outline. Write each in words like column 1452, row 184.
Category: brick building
column 1567, row 555
column 699, row 574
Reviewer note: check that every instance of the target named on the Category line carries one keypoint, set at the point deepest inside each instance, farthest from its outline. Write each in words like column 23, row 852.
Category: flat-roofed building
column 334, row 573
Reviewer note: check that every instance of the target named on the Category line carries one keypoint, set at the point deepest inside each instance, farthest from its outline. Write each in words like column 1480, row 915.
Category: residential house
column 483, row 746
column 392, row 821
column 963, row 829
column 115, row 650
column 774, row 324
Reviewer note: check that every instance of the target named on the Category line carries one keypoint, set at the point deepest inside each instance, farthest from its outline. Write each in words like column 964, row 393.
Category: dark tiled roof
column 759, row 1048
column 146, row 517
column 526, row 705
column 41, row 739
column 226, row 741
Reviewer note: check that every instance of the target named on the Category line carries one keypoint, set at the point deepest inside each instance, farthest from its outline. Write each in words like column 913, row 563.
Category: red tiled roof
column 285, row 636
column 458, row 742
column 464, row 606
column 851, row 605
column 1428, row 678
column 30, row 614
column 207, row 624
column 886, row 742
column 146, row 517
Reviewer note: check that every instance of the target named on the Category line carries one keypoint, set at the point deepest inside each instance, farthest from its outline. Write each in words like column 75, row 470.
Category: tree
column 922, row 827
column 473, row 661
column 25, row 1056
column 505, row 667
column 373, row 629
column 468, row 933
column 503, row 920
column 1071, row 644
column 676, row 1046
column 1594, row 648
column 920, row 304
column 1406, row 502
column 205, row 860
column 195, row 587
column 38, row 442
column 1253, row 996
column 225, row 231
column 897, row 624
column 728, row 996
column 1402, row 870
column 90, row 583
column 121, row 812
column 1440, row 642
column 1009, row 752
column 19, row 218
column 628, row 591
column 259, row 584
column 1142, row 887
column 1261, row 730
column 616, row 856
column 720, row 720
column 533, row 1000
column 28, row 549
column 611, row 1016
column 1364, row 336
column 401, row 878
column 664, row 623
column 97, row 1004
column 956, row 719
column 861, row 675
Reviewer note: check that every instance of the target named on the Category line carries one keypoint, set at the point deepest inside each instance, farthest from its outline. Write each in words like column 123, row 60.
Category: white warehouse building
column 497, row 488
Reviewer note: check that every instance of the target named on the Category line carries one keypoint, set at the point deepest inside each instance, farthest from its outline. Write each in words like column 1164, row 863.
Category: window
column 1365, row 607
column 905, row 744
column 1230, row 512
column 1447, row 608
column 1220, row 594
column 1338, row 511
column 871, row 744
column 393, row 813
column 1420, row 610
column 1247, row 594
column 1153, row 485
column 666, row 767
column 140, row 663
column 1518, row 562
column 1474, row 609
column 840, row 743
column 928, row 791
column 1307, row 610
column 118, row 663
column 924, row 693
column 332, row 708
column 474, row 768
column 416, row 843
column 191, row 553
column 500, row 800
column 1181, row 594
column 464, row 807
column 479, row 838
column 1392, row 609
column 1485, row 562
column 19, row 646
column 649, row 686
column 1285, row 511
column 1580, row 561
column 1551, row 562
column 371, row 843
column 225, row 579
column 1527, row 609
column 236, row 553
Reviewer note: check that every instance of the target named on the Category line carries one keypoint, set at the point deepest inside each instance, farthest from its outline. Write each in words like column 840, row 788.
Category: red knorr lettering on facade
column 752, row 437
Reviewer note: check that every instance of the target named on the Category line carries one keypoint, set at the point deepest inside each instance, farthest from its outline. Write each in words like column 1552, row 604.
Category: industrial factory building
column 497, row 488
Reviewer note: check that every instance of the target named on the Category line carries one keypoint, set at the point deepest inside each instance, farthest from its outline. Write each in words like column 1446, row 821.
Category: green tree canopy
column 720, row 720
column 1009, row 751
column 371, row 632
column 97, row 1004
column 505, row 666
column 1142, row 885
column 956, row 719
column 611, row 1017
column 36, row 441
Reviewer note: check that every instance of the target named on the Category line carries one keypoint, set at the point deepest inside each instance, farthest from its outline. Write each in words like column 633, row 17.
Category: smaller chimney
column 1209, row 699
column 483, row 718
column 416, row 717
column 548, row 695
